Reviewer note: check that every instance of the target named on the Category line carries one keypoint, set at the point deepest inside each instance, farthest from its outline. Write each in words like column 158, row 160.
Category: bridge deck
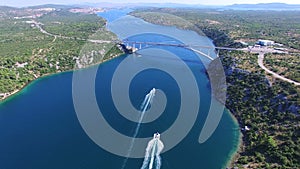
column 176, row 45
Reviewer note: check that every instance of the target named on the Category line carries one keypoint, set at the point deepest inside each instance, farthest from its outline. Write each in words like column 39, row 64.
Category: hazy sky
column 204, row 2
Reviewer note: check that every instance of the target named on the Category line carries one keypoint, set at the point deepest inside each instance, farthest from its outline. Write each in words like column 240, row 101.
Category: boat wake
column 152, row 158
column 144, row 107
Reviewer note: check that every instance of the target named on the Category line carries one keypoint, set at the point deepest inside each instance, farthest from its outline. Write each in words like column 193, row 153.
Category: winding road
column 261, row 64
column 38, row 25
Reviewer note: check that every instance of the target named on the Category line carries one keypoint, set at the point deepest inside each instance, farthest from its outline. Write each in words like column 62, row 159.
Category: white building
column 265, row 42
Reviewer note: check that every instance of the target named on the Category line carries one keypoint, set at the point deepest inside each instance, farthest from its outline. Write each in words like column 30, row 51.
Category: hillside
column 41, row 41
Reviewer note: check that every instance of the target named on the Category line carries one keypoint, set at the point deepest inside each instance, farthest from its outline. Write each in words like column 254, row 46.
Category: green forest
column 27, row 53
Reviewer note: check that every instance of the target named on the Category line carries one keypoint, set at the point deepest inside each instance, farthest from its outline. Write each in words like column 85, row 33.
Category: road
column 260, row 61
column 38, row 25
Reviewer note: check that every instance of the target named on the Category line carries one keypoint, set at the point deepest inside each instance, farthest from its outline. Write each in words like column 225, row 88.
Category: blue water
column 39, row 128
column 114, row 14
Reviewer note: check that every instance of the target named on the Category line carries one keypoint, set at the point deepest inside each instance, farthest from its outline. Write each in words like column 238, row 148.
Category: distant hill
column 265, row 6
column 260, row 6
column 158, row 5
column 50, row 6
column 6, row 8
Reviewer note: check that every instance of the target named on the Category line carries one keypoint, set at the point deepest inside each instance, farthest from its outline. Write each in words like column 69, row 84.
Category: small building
column 246, row 128
column 265, row 42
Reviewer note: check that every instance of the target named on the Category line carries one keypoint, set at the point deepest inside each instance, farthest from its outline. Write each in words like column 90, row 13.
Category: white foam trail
column 144, row 102
column 158, row 162
column 153, row 154
column 144, row 106
column 147, row 101
column 153, row 150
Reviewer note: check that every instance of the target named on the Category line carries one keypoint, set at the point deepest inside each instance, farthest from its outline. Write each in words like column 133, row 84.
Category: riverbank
column 8, row 96
column 240, row 147
column 252, row 100
column 234, row 153
column 50, row 56
column 47, row 44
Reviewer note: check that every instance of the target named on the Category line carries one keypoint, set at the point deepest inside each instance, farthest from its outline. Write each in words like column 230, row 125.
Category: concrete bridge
column 137, row 45
column 196, row 48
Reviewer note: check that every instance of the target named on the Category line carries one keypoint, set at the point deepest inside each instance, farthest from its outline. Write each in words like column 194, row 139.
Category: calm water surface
column 39, row 128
